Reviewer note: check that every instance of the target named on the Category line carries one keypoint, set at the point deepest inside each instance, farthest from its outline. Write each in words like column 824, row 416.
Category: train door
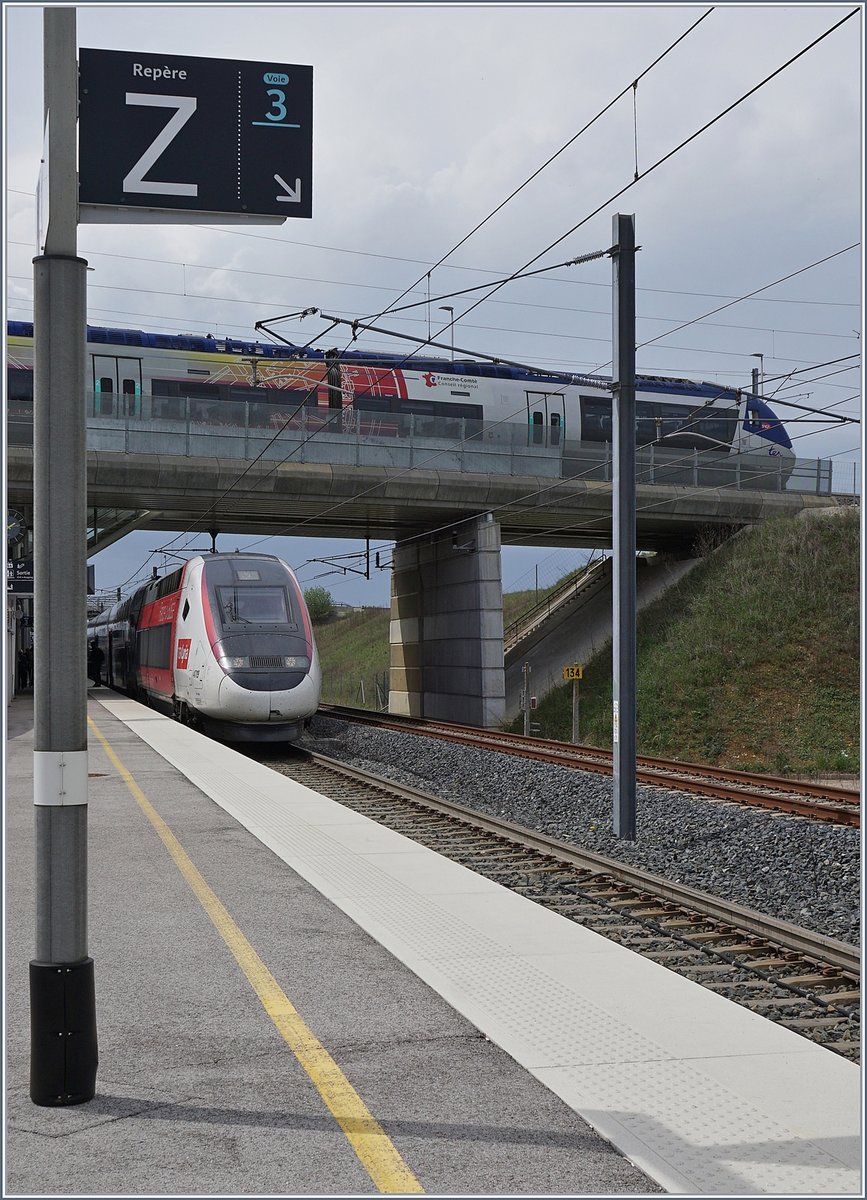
column 546, row 418
column 116, row 386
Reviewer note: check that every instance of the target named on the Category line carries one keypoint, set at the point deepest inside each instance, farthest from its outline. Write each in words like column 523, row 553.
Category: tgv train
column 224, row 644
column 163, row 377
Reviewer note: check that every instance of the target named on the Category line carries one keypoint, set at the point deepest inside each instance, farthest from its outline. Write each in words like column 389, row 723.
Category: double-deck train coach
column 164, row 377
column 223, row 643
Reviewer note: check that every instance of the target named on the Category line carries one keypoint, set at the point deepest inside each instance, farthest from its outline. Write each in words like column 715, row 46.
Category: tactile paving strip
column 717, row 1142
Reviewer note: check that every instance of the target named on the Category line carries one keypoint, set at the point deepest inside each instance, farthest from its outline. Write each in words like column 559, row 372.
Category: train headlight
column 233, row 663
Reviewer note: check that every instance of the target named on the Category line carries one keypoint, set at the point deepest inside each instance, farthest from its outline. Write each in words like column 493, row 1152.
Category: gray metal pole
column 62, row 1001
column 754, row 374
column 575, row 712
column 526, row 694
column 623, row 518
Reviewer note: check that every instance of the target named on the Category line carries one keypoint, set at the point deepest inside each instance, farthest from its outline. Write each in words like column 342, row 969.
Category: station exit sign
column 164, row 136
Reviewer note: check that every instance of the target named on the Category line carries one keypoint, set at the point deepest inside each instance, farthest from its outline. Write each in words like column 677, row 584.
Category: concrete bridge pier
column 446, row 630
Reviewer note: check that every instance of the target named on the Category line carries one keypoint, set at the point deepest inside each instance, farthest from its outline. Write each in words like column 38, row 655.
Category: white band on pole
column 59, row 777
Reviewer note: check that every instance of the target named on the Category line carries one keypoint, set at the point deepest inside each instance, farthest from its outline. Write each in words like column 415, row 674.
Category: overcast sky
column 426, row 117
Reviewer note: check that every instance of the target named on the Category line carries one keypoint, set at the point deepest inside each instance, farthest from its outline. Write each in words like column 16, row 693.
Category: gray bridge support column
column 446, row 629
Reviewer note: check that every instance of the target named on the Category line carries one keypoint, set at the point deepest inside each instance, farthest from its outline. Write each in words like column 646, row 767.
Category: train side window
column 204, row 400
column 155, row 646
column 165, row 400
column 536, row 419
column 372, row 403
column 19, row 386
column 169, row 583
column 595, row 419
column 556, row 423
column 422, row 408
column 698, row 428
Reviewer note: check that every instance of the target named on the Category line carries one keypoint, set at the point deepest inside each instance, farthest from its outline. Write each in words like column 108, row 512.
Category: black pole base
column 63, row 1049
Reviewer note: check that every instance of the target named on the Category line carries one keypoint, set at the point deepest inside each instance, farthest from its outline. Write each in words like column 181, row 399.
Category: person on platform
column 94, row 663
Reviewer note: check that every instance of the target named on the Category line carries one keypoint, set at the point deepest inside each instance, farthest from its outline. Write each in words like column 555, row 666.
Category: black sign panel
column 197, row 134
column 19, row 576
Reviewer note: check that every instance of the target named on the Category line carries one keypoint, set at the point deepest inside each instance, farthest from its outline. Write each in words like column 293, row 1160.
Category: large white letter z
column 133, row 182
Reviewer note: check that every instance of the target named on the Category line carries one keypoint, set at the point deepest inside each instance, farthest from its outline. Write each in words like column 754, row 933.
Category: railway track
column 842, row 806
column 805, row 981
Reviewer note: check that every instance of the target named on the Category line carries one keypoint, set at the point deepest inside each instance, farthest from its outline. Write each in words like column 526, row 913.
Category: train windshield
column 254, row 605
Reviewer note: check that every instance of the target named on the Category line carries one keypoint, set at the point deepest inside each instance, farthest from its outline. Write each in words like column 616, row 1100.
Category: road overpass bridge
column 448, row 502
column 168, row 475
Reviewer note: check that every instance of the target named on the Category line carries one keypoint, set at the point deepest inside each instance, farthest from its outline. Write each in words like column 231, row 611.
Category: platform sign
column 164, row 134
column 19, row 576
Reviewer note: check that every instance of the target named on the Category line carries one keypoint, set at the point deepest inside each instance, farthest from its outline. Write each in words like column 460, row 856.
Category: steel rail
column 813, row 945
column 802, row 798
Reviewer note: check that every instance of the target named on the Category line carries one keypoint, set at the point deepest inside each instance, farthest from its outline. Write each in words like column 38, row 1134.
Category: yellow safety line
column 375, row 1150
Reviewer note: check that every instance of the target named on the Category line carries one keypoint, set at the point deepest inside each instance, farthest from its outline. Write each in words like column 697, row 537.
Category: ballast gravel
column 797, row 870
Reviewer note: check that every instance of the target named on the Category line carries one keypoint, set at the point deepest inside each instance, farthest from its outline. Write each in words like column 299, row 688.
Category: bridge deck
column 351, row 500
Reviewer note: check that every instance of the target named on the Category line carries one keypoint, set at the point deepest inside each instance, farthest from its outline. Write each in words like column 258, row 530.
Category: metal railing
column 556, row 598
column 247, row 430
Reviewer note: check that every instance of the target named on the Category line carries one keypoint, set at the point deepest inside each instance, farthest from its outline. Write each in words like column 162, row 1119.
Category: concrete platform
column 198, row 1093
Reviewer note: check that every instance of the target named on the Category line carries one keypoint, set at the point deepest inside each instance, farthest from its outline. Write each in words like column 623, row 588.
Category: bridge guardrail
column 414, row 441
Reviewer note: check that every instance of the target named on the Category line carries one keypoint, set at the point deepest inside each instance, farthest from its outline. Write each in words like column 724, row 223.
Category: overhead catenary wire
column 695, row 320
column 815, row 367
column 722, row 114
column 452, row 267
column 557, row 153
column 496, row 328
column 819, row 378
column 659, row 162
column 670, row 154
column 537, row 172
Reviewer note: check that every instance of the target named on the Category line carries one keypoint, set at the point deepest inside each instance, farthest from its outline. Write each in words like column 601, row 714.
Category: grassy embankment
column 751, row 661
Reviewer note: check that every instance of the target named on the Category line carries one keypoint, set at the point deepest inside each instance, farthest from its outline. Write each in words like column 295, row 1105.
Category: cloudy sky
column 427, row 117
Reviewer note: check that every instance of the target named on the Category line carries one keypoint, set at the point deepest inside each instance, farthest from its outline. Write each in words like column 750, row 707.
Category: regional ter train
column 158, row 377
column 224, row 643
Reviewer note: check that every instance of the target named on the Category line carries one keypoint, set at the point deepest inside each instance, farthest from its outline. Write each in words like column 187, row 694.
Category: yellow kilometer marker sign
column 573, row 672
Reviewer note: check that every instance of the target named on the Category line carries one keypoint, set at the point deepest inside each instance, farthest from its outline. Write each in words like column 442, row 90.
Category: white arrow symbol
column 292, row 196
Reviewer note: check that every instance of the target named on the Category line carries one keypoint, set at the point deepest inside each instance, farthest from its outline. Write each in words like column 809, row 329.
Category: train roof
column 211, row 345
